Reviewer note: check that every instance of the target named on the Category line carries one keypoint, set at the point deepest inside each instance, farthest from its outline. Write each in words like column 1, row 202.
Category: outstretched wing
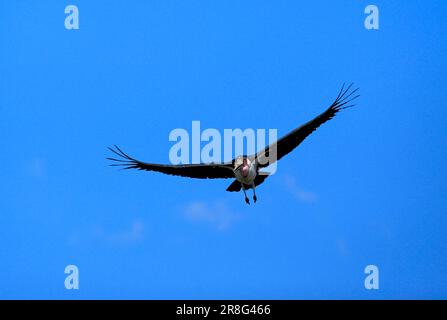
column 200, row 171
column 290, row 141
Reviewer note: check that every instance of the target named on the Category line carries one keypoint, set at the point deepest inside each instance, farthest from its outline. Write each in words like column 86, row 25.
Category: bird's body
column 246, row 172
column 244, row 169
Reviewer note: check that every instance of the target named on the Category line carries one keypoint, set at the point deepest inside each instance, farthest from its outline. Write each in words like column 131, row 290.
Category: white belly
column 249, row 178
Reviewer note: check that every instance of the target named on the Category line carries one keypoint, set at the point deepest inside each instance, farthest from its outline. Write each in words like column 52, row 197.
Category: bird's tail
column 236, row 186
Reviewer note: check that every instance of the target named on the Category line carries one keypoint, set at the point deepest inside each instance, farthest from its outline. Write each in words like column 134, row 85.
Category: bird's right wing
column 199, row 171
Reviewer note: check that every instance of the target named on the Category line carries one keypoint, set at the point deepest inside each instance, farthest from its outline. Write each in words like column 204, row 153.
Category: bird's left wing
column 200, row 171
column 286, row 144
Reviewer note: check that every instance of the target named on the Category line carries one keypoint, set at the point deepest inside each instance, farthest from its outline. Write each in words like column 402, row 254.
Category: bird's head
column 242, row 164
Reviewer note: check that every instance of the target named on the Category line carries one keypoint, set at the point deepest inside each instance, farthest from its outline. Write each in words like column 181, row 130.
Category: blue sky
column 367, row 188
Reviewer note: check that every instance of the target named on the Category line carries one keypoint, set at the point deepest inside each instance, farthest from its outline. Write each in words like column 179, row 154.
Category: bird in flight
column 244, row 169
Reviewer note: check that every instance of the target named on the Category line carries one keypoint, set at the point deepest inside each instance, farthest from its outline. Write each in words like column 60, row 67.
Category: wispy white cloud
column 131, row 235
column 217, row 214
column 36, row 168
column 127, row 236
column 299, row 193
column 342, row 247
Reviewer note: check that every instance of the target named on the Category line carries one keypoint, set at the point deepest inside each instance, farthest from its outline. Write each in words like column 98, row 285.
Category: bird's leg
column 245, row 194
column 254, row 192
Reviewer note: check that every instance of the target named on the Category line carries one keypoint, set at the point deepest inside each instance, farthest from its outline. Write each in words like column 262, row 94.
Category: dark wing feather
column 236, row 185
column 200, row 171
column 290, row 141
